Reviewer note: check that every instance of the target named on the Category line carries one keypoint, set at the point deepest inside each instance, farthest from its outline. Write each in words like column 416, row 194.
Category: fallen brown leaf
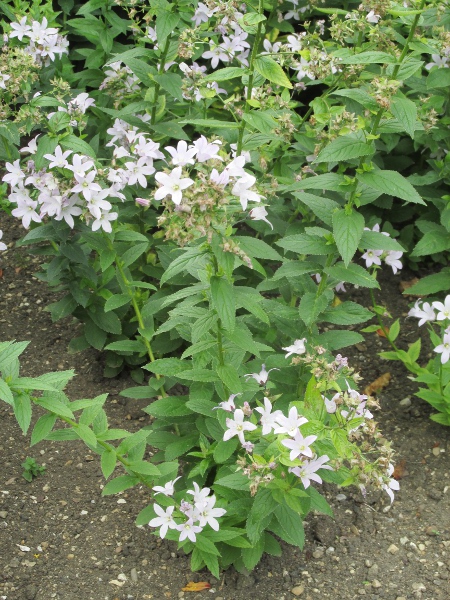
column 399, row 470
column 405, row 285
column 194, row 586
column 381, row 333
column 377, row 385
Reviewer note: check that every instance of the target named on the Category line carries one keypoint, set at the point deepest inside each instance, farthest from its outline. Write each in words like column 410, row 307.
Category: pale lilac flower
column 291, row 423
column 228, row 405
column 220, row 178
column 298, row 347
column 163, row 520
column 15, row 175
column 372, row 257
column 444, row 309
column 271, row 48
column 307, row 472
column 105, row 222
column 143, row 202
column 182, row 155
column 188, row 530
column 2, row 245
column 302, row 66
column 203, row 14
column 39, row 31
column 168, row 488
column 262, row 376
column 259, row 213
column 206, row 150
column 148, row 148
column 172, row 184
column 371, row 17
column 98, row 203
column 86, row 185
column 444, row 348
column 248, row 447
column 59, row 159
column 294, row 42
column 80, row 103
column 3, row 78
column 138, row 172
column 237, row 426
column 330, row 405
column 242, row 189
column 236, row 167
column 200, row 494
column 392, row 259
column 437, row 61
column 32, row 146
column 424, row 313
column 20, row 29
column 27, row 212
column 51, row 204
column 269, row 419
column 207, row 514
column 69, row 209
column 300, row 445
column 216, row 53
column 80, row 164
column 391, row 485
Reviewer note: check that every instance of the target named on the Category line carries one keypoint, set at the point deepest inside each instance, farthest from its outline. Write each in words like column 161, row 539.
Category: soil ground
column 86, row 547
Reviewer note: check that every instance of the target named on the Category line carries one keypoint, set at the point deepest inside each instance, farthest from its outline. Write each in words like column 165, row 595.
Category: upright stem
column 250, row 79
column 381, row 324
column 137, row 312
column 220, row 343
column 160, row 72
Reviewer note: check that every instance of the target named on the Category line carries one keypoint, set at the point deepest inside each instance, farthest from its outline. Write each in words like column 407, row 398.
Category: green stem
column 323, row 281
column 137, row 311
column 250, row 79
column 160, row 72
column 381, row 324
column 220, row 343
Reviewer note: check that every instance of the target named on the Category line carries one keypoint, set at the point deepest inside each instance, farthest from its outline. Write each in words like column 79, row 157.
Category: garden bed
column 86, row 547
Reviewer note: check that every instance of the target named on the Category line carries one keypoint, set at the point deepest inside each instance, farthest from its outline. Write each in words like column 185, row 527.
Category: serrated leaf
column 431, row 284
column 171, row 82
column 42, row 428
column 347, row 231
column 223, row 301
column 225, row 74
column 133, row 253
column 312, row 305
column 271, row 70
column 119, row 484
column 230, row 378
column 305, row 244
column 352, row 274
column 432, row 242
column 347, row 313
column 375, row 240
column 116, row 301
column 5, row 393
column 405, row 111
column 345, row 148
column 392, row 183
column 108, row 463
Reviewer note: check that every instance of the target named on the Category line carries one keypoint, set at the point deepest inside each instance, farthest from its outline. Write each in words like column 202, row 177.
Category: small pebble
column 393, row 549
column 133, row 575
column 376, row 583
column 3, row 514
column 406, row 402
column 297, row 590
column 429, row 530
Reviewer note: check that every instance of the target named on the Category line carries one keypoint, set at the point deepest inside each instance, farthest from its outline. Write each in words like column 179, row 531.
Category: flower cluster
column 197, row 514
column 390, row 257
column 44, row 43
column 120, row 80
column 436, row 311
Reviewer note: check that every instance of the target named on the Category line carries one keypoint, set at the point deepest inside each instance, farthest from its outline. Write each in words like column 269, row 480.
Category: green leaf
column 392, row 183
column 405, row 111
column 337, row 339
column 171, row 406
column 375, row 240
column 322, row 207
column 352, row 274
column 171, row 82
column 290, row 526
column 347, row 231
column 52, row 404
column 303, row 243
column 86, row 434
column 236, row 481
column 345, row 148
column 256, row 248
column 359, row 96
column 22, row 411
column 271, row 70
column 108, row 462
column 166, row 23
column 60, row 120
column 62, row 308
column 5, row 393
column 199, row 347
column 215, row 123
column 181, row 446
column 224, row 74
column 439, row 78
column 109, row 321
column 319, row 503
column 181, row 263
column 42, row 428
column 119, row 484
column 170, row 367
column 252, row 556
column 133, row 253
column 346, row 57
column 144, row 468
column 432, row 242
column 72, row 142
column 326, row 181
column 431, row 284
column 230, row 378
column 260, row 514
column 223, row 301
column 347, row 313
column 262, row 121
column 312, row 305
column 224, row 450
column 116, row 301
